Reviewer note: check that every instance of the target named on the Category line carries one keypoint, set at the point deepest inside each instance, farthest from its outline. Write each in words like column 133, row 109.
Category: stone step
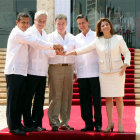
column 4, row 95
column 137, row 81
column 137, row 71
column 136, row 75
column 137, row 66
column 2, row 61
column 3, row 49
column 137, row 96
column 2, row 74
column 137, row 50
column 137, row 62
column 2, row 53
column 137, row 58
column 137, row 85
column 137, row 90
column 2, row 57
column 137, row 102
column 2, row 66
column 2, row 79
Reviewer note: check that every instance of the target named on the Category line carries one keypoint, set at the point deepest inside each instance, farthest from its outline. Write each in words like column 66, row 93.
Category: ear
column 17, row 21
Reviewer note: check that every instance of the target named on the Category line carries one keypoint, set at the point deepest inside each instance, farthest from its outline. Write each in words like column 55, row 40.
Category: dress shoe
column 109, row 128
column 39, row 128
column 29, row 129
column 88, row 128
column 18, row 131
column 98, row 128
column 66, row 127
column 54, row 128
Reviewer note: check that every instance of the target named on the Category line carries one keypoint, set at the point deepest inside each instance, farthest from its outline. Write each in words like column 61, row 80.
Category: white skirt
column 112, row 84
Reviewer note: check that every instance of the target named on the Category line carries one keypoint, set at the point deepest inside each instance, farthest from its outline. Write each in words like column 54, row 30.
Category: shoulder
column 117, row 37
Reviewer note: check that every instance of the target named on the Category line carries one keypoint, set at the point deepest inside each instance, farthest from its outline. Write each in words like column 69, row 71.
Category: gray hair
column 60, row 16
column 40, row 12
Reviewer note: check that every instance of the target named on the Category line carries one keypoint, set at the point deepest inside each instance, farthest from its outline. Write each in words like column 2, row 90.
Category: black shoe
column 39, row 128
column 88, row 128
column 55, row 128
column 18, row 131
column 98, row 128
column 29, row 129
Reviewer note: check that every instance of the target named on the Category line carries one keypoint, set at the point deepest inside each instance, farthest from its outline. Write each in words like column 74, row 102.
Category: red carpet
column 77, row 123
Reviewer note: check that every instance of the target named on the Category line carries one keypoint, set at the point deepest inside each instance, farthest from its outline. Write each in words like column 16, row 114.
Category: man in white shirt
column 61, row 77
column 16, row 70
column 88, row 77
column 37, row 72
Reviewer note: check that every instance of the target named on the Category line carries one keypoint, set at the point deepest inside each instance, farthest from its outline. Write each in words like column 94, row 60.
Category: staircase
column 132, row 85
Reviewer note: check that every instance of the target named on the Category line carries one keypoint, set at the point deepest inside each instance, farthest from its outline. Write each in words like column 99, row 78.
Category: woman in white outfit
column 109, row 48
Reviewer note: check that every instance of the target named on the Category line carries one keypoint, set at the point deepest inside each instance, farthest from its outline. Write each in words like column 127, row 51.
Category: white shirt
column 68, row 43
column 86, row 65
column 38, row 59
column 17, row 51
column 109, row 52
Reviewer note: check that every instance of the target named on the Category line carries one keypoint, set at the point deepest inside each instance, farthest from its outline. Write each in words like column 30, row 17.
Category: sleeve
column 31, row 40
column 86, row 49
column 125, row 51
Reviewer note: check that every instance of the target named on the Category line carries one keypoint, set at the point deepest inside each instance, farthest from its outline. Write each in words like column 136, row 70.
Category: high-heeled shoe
column 109, row 128
column 120, row 129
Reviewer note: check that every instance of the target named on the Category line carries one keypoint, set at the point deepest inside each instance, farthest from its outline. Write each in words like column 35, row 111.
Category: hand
column 59, row 52
column 123, row 68
column 74, row 78
column 73, row 52
column 58, row 47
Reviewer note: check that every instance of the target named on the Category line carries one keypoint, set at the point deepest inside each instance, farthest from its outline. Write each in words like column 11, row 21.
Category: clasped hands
column 59, row 49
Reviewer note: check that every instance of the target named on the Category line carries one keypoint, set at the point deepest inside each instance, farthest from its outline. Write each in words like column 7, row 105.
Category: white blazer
column 109, row 52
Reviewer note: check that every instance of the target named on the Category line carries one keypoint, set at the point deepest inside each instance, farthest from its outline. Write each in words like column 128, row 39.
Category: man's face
column 40, row 22
column 83, row 25
column 61, row 25
column 24, row 23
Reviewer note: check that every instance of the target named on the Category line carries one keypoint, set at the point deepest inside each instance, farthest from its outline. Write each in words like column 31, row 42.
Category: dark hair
column 98, row 27
column 60, row 16
column 82, row 16
column 23, row 15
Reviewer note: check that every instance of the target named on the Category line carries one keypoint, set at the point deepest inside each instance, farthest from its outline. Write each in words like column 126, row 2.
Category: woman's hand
column 123, row 68
column 73, row 52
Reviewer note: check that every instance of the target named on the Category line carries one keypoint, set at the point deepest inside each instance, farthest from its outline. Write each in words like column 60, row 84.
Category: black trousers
column 16, row 89
column 89, row 90
column 35, row 89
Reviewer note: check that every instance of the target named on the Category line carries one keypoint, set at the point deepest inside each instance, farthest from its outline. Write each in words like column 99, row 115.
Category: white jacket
column 109, row 52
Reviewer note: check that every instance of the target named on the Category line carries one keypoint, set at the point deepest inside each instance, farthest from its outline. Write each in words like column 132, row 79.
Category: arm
column 34, row 41
column 127, row 56
column 83, row 50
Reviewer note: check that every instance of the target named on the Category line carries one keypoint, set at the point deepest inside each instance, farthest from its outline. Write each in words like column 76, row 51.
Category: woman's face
column 105, row 27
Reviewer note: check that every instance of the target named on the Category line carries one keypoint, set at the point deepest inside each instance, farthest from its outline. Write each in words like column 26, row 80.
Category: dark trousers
column 89, row 90
column 35, row 89
column 16, row 88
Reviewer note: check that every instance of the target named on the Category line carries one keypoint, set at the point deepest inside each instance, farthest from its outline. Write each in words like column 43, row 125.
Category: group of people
column 97, row 64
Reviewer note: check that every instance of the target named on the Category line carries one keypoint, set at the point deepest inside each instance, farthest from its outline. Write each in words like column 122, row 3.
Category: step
column 137, row 75
column 2, row 53
column 137, row 96
column 2, row 61
column 3, row 101
column 137, row 90
column 137, row 85
column 2, row 57
column 137, row 71
column 2, row 79
column 137, row 66
column 2, row 66
column 3, row 49
column 136, row 81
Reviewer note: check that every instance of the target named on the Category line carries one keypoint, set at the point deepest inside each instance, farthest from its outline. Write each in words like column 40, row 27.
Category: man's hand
column 73, row 52
column 58, row 47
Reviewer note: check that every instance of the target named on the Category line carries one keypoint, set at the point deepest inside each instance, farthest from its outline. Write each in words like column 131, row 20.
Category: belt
column 61, row 64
